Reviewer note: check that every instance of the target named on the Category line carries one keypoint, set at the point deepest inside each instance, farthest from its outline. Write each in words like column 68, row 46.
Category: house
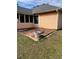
column 42, row 16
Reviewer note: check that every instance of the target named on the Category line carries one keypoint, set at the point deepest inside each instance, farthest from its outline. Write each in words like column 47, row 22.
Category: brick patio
column 31, row 32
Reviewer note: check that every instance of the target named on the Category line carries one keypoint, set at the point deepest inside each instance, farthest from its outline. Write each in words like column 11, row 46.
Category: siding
column 48, row 20
column 59, row 20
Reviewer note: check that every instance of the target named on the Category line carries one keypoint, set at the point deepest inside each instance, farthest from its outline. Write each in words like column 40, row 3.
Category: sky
column 32, row 3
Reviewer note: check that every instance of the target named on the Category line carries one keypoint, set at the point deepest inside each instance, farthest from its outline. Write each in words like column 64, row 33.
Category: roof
column 44, row 8
column 24, row 10
column 38, row 9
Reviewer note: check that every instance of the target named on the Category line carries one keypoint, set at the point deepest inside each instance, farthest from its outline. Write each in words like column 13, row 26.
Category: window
column 17, row 16
column 27, row 18
column 31, row 18
column 21, row 18
column 36, row 20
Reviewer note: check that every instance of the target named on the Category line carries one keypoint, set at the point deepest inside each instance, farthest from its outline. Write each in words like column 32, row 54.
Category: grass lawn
column 47, row 48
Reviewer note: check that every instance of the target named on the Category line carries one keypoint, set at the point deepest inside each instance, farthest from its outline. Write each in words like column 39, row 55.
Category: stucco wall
column 48, row 20
column 24, row 25
column 59, row 20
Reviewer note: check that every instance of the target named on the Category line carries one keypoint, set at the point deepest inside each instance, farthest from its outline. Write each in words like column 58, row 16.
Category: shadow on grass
column 59, row 29
column 42, row 37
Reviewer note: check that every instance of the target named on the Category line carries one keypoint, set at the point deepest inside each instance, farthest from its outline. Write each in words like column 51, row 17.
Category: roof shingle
column 44, row 8
column 38, row 9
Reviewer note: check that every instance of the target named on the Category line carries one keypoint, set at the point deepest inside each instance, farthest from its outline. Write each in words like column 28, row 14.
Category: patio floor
column 31, row 32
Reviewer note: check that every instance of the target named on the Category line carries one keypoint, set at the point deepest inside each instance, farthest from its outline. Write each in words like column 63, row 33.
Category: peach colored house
column 42, row 16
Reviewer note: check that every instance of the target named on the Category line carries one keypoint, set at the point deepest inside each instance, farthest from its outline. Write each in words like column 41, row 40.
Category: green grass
column 47, row 48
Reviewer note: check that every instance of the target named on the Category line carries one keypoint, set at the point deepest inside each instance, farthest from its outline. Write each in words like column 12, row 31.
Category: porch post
column 33, row 19
column 19, row 18
column 24, row 19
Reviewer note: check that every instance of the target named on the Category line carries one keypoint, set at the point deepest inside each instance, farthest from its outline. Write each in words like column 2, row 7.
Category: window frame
column 22, row 15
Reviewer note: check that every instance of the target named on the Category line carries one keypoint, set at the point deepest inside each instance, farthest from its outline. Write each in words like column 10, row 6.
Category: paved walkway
column 32, row 32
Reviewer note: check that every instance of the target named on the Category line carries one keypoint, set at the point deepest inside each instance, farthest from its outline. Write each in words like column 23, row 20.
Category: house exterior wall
column 48, row 20
column 59, row 20
column 24, row 25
